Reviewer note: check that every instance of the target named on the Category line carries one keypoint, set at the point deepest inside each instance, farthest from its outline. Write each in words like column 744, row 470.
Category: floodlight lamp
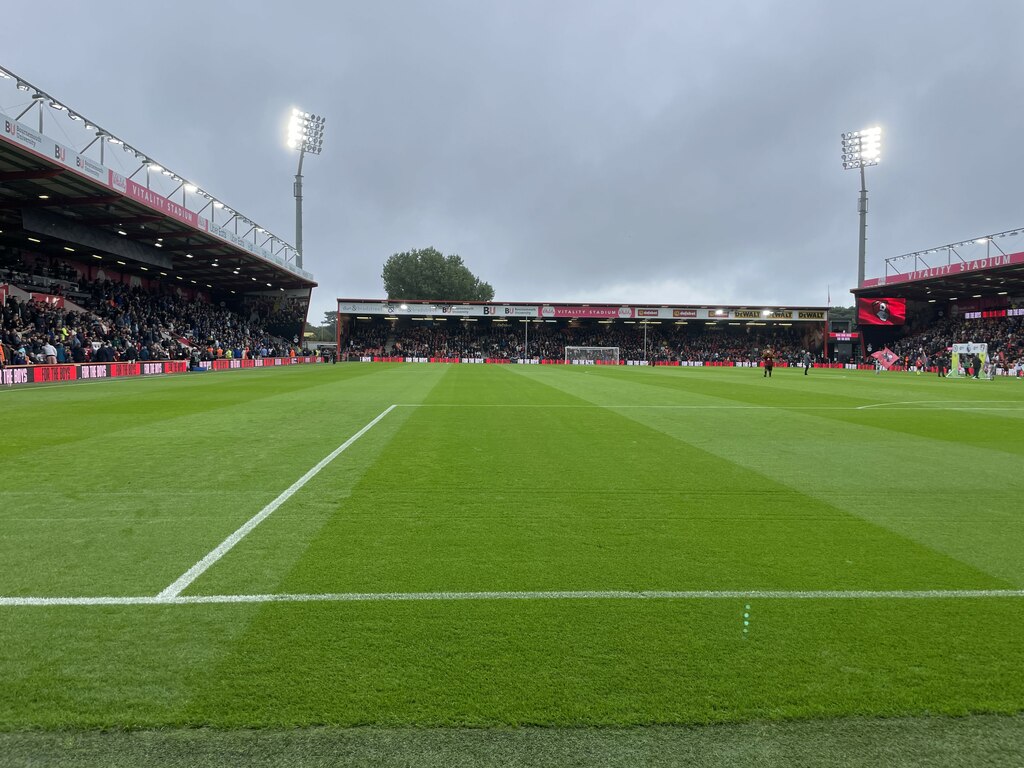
column 73, row 116
column 191, row 188
column 155, row 167
column 981, row 240
column 862, row 148
column 56, row 104
column 23, row 86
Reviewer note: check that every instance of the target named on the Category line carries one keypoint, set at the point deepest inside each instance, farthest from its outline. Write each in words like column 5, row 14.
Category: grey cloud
column 569, row 150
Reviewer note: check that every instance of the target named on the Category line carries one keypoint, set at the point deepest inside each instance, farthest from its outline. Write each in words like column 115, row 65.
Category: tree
column 428, row 274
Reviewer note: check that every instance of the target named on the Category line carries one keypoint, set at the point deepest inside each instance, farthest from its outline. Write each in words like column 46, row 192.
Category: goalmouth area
column 612, row 556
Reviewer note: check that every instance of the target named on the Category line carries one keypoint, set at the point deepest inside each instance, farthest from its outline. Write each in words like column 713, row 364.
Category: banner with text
column 948, row 270
column 49, row 374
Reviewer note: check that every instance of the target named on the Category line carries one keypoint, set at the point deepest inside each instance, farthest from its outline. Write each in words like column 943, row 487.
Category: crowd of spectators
column 282, row 316
column 56, row 277
column 549, row 340
column 1004, row 336
column 119, row 322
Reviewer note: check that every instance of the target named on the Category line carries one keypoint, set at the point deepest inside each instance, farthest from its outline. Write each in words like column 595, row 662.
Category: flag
column 886, row 358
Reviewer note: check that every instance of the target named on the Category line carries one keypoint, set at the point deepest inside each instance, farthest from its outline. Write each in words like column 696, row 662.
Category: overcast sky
column 668, row 152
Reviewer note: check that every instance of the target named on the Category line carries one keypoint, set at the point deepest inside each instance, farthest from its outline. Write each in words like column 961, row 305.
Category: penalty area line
column 367, row 597
column 225, row 546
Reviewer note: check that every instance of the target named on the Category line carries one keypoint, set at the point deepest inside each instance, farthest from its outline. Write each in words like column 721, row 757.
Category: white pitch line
column 910, row 405
column 216, row 554
column 366, row 597
column 955, row 403
column 634, row 406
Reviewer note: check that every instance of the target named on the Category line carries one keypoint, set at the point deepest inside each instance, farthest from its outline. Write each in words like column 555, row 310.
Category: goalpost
column 970, row 355
column 591, row 355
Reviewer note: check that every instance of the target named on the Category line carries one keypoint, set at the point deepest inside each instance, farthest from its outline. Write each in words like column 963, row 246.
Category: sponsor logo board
column 761, row 314
column 606, row 313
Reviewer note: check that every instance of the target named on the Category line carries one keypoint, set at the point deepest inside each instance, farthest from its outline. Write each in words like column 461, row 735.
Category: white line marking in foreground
column 365, row 597
column 197, row 570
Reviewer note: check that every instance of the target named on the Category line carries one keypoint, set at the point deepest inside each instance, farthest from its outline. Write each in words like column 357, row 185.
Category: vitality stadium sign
column 949, row 270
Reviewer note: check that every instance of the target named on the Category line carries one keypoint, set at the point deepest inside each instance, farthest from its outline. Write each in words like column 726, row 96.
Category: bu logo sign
column 10, row 128
column 60, row 153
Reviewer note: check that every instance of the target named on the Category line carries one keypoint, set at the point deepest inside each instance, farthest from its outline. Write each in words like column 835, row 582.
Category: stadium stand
column 1005, row 337
column 548, row 341
column 115, row 322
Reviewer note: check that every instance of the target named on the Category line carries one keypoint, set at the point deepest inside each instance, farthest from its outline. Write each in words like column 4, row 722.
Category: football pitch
column 477, row 548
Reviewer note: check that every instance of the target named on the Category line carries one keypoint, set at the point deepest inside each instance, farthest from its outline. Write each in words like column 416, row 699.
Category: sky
column 582, row 151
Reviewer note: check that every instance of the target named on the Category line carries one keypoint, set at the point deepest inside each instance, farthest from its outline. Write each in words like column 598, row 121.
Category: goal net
column 591, row 355
column 970, row 359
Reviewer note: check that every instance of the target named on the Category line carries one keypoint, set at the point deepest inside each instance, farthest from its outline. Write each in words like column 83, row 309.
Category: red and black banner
column 881, row 311
column 49, row 374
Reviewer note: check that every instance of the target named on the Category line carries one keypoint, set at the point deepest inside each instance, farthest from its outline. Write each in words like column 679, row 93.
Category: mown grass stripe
column 193, row 573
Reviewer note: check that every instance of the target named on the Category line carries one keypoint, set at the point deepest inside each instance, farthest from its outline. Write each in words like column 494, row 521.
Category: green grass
column 509, row 478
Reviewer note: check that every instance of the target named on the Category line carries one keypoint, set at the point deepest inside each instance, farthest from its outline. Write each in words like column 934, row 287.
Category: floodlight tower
column 861, row 149
column 306, row 134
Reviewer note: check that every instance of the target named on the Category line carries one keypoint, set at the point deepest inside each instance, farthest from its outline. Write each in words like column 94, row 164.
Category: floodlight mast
column 861, row 149
column 306, row 134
